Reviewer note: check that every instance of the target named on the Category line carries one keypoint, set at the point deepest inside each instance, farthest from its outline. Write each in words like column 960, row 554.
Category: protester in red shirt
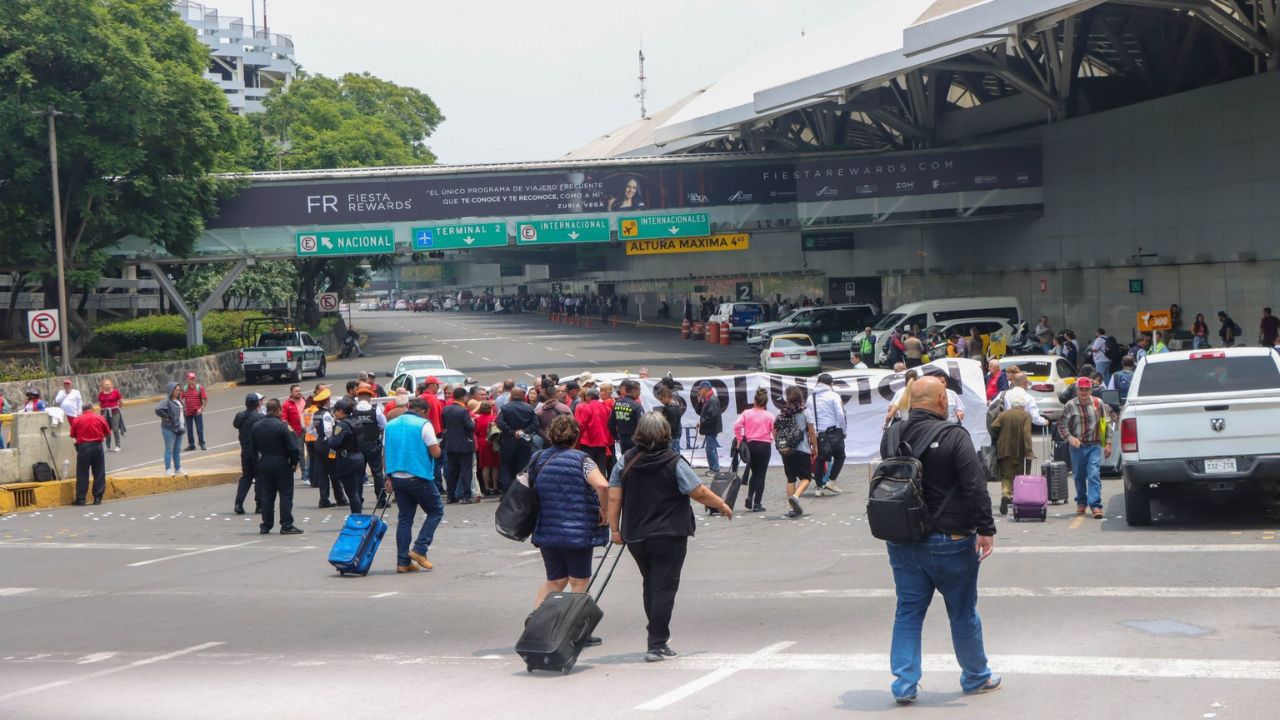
column 88, row 430
column 194, row 400
column 109, row 401
column 593, row 424
column 430, row 393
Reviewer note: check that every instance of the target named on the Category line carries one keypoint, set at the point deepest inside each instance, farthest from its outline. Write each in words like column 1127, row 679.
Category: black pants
column 246, row 479
column 348, row 472
column 373, row 458
column 457, row 476
column 90, row 457
column 760, row 453
column 275, row 479
column 660, row 561
column 514, row 457
column 323, row 478
column 833, row 453
column 600, row 456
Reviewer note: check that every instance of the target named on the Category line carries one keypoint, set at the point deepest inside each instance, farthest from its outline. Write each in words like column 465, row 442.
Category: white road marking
column 11, row 591
column 1078, row 549
column 109, row 671
column 569, row 355
column 726, row 670
column 549, row 348
column 189, row 554
column 95, row 658
column 24, row 545
column 1241, row 593
column 382, row 595
column 485, row 359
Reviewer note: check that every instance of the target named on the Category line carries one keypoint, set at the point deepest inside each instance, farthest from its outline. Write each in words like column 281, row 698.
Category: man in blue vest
column 411, row 451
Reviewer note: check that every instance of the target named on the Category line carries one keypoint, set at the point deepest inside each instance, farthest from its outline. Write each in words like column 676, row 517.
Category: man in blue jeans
column 1082, row 428
column 710, row 425
column 961, row 537
column 411, row 450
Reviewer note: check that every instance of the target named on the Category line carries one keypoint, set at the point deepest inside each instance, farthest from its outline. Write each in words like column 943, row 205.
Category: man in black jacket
column 243, row 423
column 275, row 449
column 626, row 414
column 459, row 443
column 518, row 424
column 710, row 424
column 947, row 561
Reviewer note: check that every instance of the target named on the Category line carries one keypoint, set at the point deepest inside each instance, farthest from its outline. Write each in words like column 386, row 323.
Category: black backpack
column 1112, row 351
column 788, row 433
column 43, row 472
column 896, row 510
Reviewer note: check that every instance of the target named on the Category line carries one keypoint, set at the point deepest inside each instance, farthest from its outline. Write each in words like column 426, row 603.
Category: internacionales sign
column 707, row 243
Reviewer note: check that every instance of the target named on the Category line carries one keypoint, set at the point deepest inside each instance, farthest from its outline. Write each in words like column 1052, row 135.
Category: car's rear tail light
column 1042, row 387
column 1208, row 355
column 288, row 354
column 241, row 356
column 1129, row 435
column 811, row 353
column 776, row 354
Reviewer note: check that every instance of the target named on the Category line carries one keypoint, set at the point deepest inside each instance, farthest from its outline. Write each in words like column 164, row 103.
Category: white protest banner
column 866, row 394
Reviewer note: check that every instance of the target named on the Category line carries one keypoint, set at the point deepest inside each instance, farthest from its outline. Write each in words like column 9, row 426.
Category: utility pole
column 64, row 367
column 644, row 113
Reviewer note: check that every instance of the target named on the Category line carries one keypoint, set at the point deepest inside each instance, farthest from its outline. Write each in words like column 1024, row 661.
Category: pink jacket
column 754, row 425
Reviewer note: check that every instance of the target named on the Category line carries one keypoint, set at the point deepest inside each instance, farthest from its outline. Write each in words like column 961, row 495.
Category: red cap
column 191, row 376
column 1084, row 383
column 431, row 379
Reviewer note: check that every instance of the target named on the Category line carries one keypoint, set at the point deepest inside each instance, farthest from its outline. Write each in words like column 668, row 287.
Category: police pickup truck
column 1201, row 421
column 832, row 327
column 279, row 349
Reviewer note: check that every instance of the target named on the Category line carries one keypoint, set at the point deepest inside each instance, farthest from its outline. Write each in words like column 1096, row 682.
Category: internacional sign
column 570, row 230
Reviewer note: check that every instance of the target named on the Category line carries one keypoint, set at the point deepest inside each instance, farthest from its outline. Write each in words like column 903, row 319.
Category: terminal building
column 1093, row 158
column 245, row 61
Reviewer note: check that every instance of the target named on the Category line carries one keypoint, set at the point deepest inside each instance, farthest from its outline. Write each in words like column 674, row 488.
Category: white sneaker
column 818, row 492
column 832, row 487
column 115, row 449
column 169, row 473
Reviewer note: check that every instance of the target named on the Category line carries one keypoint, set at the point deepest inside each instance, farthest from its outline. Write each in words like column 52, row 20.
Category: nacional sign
column 708, row 243
column 455, row 237
column 575, row 230
column 345, row 242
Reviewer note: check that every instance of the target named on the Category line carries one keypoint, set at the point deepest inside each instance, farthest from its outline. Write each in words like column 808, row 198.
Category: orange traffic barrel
column 698, row 330
column 684, row 329
column 724, row 333
column 713, row 333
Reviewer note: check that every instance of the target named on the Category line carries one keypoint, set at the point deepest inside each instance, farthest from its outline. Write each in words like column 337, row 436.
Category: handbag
column 517, row 513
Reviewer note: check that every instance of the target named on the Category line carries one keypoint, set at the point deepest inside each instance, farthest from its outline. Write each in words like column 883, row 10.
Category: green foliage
column 14, row 369
column 168, row 334
column 270, row 283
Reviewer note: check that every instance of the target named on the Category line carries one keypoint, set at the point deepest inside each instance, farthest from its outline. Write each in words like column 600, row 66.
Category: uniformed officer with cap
column 344, row 452
column 243, row 423
column 276, row 455
column 368, row 421
column 319, row 426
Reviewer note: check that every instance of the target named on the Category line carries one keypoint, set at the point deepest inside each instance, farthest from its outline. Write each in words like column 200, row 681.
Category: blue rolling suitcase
column 358, row 542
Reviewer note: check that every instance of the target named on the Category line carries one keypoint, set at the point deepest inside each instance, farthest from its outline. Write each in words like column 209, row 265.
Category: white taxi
column 1050, row 375
column 791, row 353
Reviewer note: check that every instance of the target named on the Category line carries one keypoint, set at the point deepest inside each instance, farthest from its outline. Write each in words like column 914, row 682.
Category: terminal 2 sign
column 624, row 190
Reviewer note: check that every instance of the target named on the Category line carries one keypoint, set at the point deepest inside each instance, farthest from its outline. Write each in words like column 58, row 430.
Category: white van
column 926, row 313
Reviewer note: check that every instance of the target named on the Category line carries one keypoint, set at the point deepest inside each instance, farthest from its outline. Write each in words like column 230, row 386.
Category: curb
column 60, row 493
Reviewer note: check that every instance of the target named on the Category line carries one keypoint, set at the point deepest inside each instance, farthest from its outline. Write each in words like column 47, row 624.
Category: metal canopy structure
column 966, row 71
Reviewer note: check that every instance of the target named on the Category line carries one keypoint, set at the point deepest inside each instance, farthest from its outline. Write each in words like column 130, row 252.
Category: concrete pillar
column 195, row 320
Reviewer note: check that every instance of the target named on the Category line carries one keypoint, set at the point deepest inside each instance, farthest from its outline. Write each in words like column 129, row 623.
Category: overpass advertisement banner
column 623, row 189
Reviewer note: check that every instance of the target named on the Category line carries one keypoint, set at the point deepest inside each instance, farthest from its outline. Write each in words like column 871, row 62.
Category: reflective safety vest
column 308, row 424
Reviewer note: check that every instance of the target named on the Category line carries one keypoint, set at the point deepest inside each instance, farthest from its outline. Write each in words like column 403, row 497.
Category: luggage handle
column 600, row 568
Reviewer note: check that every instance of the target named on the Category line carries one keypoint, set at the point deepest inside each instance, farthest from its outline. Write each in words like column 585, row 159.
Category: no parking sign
column 42, row 326
column 328, row 302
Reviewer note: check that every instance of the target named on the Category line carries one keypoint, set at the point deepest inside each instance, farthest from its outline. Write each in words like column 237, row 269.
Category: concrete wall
column 29, row 432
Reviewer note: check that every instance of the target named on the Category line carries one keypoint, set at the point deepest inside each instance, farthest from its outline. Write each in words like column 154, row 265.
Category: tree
column 352, row 121
column 142, row 133
column 270, row 284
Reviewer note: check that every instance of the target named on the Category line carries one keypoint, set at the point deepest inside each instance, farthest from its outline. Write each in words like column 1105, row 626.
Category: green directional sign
column 454, row 237
column 575, row 230
column 657, row 227
column 317, row 243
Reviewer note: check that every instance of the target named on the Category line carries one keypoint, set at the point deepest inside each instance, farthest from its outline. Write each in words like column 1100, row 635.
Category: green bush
column 168, row 334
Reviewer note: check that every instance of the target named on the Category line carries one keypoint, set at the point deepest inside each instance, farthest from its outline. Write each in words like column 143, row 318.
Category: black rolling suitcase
column 726, row 485
column 555, row 633
column 1055, row 471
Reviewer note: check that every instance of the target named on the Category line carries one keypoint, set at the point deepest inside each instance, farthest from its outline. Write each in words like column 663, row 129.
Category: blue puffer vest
column 568, row 508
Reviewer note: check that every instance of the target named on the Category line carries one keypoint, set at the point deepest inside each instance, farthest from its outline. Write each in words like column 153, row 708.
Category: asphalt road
column 172, row 606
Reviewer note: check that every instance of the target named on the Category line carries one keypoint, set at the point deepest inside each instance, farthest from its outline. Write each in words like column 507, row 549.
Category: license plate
column 795, row 357
column 1220, row 465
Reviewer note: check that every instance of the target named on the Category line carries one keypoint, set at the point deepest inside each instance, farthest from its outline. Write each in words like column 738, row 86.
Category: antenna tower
column 644, row 112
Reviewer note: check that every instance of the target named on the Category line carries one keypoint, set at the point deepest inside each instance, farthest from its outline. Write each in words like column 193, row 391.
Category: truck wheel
column 321, row 370
column 1137, row 505
column 296, row 375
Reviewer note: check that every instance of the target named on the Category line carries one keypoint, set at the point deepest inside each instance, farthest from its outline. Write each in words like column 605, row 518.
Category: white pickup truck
column 282, row 352
column 1205, row 420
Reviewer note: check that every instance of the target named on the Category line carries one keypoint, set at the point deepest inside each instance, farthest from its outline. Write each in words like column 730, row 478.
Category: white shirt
column 71, row 402
column 428, row 439
column 1032, row 408
column 860, row 366
column 829, row 408
column 953, row 402
column 382, row 418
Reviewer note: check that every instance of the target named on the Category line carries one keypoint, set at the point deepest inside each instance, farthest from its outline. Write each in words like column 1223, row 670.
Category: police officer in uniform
column 319, row 426
column 344, row 452
column 243, row 423
column 368, row 421
column 275, row 449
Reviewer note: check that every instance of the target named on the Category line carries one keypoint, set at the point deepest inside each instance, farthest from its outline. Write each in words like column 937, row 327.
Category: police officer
column 344, row 452
column 319, row 426
column 243, row 423
column 368, row 421
column 276, row 453
column 626, row 414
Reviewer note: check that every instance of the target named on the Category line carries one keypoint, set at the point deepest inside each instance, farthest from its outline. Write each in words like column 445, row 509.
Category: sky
column 523, row 81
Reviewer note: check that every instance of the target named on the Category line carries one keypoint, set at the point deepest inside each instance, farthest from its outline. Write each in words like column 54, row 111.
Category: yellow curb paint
column 149, row 470
column 63, row 492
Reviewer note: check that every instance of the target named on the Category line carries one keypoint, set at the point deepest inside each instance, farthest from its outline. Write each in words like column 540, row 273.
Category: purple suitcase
column 1030, row 497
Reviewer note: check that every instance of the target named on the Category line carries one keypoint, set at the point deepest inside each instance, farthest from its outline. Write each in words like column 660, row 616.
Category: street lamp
column 52, row 113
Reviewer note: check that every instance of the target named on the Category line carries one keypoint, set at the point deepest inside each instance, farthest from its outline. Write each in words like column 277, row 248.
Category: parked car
column 740, row 315
column 1201, row 421
column 413, row 379
column 987, row 328
column 402, row 305
column 831, row 327
column 279, row 349
column 1049, row 376
column 418, row 362
column 927, row 313
column 791, row 353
